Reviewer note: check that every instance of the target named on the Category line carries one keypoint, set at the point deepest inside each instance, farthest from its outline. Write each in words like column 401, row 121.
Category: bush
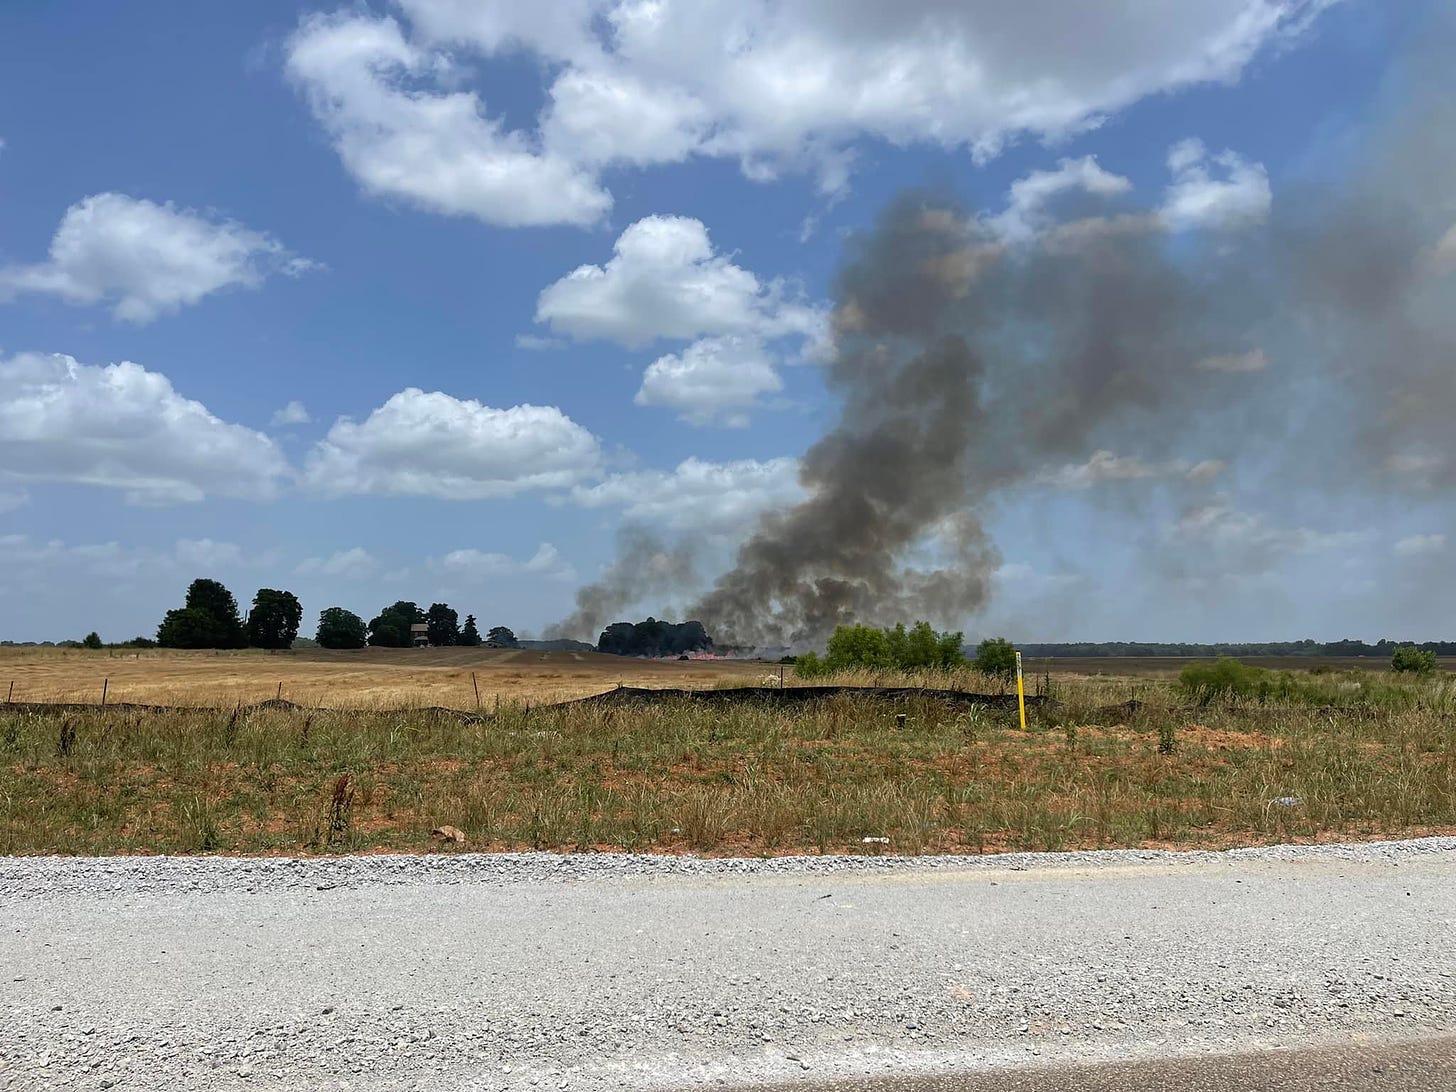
column 1226, row 677
column 1412, row 660
column 996, row 656
column 894, row 647
column 92, row 640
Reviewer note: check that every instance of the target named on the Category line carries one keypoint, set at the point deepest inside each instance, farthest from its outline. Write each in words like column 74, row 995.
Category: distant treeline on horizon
column 1382, row 648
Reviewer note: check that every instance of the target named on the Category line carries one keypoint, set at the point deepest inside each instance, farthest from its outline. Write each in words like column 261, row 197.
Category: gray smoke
column 645, row 565
column 966, row 366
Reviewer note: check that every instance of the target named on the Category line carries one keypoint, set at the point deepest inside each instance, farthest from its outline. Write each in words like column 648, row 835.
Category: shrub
column 996, row 656
column 1413, row 660
column 92, row 640
column 850, row 647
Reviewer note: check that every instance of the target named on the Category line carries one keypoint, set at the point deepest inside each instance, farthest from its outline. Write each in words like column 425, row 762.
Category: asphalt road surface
column 533, row 971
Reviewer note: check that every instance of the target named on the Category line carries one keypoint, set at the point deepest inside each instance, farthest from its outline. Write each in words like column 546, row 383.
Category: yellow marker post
column 1020, row 693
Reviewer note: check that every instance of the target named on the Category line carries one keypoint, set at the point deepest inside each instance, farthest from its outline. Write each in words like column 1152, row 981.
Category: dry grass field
column 363, row 764
column 368, row 678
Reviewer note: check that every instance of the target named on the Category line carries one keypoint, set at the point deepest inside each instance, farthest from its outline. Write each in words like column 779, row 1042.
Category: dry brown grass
column 368, row 678
column 747, row 778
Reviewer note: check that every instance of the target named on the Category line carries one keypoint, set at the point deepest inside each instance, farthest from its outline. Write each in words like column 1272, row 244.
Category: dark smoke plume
column 966, row 365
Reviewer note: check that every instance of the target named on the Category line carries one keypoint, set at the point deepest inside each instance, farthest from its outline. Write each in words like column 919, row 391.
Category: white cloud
column 1443, row 254
column 1104, row 466
column 664, row 280
column 534, row 343
column 699, row 495
column 1255, row 360
column 295, row 413
column 1227, row 538
column 712, row 380
column 1028, row 197
column 1422, row 469
column 23, row 557
column 475, row 565
column 147, row 259
column 11, row 499
column 352, row 564
column 206, row 553
column 1197, row 197
column 456, row 449
column 402, row 132
column 1420, row 546
column 791, row 86
column 123, row 427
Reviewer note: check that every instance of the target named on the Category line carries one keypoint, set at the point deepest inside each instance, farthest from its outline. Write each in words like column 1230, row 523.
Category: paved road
column 589, row 973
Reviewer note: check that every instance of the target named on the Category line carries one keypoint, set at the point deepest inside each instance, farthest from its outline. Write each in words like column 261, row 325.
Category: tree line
column 1384, row 648
column 210, row 618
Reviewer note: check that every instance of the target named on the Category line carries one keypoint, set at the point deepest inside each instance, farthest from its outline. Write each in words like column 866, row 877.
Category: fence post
column 104, row 684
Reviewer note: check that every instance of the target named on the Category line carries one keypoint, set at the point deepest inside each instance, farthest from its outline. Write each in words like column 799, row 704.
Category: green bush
column 918, row 648
column 996, row 656
column 1226, row 677
column 1412, row 660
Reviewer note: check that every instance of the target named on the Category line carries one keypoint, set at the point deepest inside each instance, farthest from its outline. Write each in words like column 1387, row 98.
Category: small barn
column 420, row 635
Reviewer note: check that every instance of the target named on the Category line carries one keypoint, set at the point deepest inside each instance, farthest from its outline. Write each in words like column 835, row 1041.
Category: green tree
column 501, row 637
column 996, row 656
column 391, row 628
column 92, row 640
column 858, row 646
column 273, row 621
column 444, row 625
column 469, row 633
column 1412, row 660
column 208, row 619
column 340, row 628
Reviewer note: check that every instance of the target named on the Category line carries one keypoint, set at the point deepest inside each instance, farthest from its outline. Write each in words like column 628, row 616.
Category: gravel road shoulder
column 533, row 970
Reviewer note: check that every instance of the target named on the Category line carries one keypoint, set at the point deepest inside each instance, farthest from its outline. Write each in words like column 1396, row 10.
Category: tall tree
column 444, row 625
column 340, row 628
column 469, row 634
column 273, row 621
column 208, row 619
column 391, row 628
column 501, row 637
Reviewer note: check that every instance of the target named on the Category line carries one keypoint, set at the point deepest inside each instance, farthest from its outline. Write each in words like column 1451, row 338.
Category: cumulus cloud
column 351, row 564
column 1223, row 192
column 1231, row 540
column 147, row 259
column 698, row 495
column 1444, row 252
column 26, row 559
column 1104, row 466
column 715, row 380
column 476, row 565
column 123, row 427
column 1028, row 199
column 665, row 280
column 403, row 131
column 1255, row 360
column 1420, row 546
column 295, row 413
column 787, row 86
column 430, row 444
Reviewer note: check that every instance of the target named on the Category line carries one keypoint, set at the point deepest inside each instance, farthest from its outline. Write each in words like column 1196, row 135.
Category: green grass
column 680, row 777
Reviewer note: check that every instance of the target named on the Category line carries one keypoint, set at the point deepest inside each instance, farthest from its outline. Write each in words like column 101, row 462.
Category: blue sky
column 350, row 235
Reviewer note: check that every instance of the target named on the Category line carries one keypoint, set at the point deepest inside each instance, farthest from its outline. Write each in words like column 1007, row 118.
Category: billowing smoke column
column 1314, row 344
column 963, row 365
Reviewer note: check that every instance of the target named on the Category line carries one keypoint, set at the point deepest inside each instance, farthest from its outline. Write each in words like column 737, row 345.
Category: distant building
column 420, row 635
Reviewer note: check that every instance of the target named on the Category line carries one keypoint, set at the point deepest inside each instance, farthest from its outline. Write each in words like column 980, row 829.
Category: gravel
column 464, row 971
